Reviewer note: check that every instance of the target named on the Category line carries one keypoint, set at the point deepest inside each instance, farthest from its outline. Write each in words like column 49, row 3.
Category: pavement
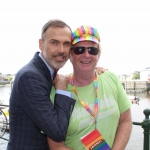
column 4, row 142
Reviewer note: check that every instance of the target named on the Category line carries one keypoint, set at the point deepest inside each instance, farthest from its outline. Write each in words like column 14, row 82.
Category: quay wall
column 4, row 82
column 136, row 85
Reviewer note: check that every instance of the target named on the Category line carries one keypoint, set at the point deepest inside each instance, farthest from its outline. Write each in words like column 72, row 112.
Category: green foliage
column 136, row 76
column 7, row 78
column 10, row 78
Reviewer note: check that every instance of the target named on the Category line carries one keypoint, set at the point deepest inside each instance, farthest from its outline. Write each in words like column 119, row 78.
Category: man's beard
column 57, row 65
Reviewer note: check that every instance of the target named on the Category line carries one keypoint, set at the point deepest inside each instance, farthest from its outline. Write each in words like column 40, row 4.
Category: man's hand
column 57, row 146
column 100, row 70
column 60, row 82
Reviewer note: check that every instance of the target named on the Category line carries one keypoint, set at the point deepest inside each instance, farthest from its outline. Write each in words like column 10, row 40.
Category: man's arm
column 123, row 131
column 58, row 85
column 53, row 120
column 56, row 146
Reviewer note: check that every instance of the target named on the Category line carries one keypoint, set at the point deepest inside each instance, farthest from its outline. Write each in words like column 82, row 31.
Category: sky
column 124, row 27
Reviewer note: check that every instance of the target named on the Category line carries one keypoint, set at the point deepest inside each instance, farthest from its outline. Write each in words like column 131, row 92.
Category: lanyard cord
column 95, row 113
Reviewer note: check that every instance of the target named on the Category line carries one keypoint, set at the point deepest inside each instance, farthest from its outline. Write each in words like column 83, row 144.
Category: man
column 101, row 117
column 31, row 109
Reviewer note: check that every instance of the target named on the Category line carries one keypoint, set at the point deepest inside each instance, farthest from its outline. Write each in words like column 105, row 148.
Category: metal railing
column 146, row 127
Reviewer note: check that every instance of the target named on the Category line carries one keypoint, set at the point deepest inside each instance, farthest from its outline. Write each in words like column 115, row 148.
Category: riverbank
column 136, row 85
column 4, row 85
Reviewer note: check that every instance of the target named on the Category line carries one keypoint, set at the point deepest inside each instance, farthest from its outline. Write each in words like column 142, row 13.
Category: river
column 136, row 139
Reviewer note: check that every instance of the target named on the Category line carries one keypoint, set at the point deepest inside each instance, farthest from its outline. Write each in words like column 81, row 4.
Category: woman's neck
column 83, row 79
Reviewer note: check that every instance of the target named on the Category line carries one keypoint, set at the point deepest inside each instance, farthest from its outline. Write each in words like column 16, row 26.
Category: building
column 1, row 77
column 145, row 74
column 124, row 77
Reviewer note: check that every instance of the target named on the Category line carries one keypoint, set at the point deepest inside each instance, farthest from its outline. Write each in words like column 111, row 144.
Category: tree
column 10, row 79
column 136, row 76
column 7, row 78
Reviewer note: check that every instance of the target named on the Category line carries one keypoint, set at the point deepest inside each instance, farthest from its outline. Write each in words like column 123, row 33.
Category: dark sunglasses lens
column 93, row 50
column 79, row 50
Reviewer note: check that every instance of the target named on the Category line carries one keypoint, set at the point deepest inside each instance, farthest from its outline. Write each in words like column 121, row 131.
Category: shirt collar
column 50, row 69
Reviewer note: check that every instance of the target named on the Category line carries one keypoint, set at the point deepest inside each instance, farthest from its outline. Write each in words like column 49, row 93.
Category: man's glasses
column 81, row 50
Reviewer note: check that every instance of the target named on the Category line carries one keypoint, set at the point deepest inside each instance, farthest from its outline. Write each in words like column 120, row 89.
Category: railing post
column 146, row 126
column 11, row 85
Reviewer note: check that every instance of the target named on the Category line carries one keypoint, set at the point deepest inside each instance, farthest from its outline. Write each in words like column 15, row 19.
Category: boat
column 134, row 99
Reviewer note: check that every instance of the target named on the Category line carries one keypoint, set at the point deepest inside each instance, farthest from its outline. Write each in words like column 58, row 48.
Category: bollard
column 146, row 126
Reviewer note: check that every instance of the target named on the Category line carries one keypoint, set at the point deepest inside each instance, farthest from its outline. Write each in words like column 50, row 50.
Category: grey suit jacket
column 31, row 109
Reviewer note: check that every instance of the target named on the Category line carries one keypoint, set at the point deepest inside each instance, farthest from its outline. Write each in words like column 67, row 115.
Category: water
column 5, row 94
column 136, row 139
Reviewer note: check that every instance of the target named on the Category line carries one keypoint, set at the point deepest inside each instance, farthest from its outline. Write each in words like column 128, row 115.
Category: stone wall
column 136, row 85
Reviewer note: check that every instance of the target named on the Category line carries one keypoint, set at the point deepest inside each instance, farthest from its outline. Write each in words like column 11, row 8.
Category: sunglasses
column 81, row 50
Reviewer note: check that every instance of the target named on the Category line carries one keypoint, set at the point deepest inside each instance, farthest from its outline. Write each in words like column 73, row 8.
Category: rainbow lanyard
column 94, row 114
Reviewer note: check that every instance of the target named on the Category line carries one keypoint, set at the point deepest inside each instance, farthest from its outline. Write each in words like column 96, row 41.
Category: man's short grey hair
column 54, row 24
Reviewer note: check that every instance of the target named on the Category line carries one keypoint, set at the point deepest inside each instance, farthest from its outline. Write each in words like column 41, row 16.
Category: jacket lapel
column 42, row 67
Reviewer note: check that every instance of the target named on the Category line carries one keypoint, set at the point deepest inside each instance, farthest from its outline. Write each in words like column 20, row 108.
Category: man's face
column 55, row 46
column 84, row 62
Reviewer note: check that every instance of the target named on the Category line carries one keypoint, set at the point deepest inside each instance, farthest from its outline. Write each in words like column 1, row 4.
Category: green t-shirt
column 112, row 101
